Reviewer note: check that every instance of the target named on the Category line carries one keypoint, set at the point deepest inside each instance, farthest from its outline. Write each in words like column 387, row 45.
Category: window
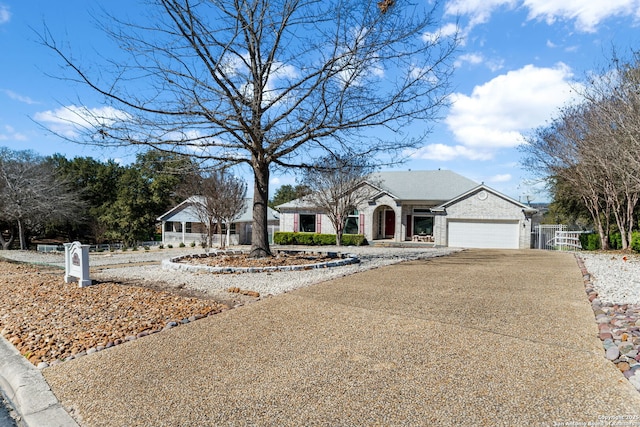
column 352, row 226
column 423, row 225
column 187, row 227
column 173, row 226
column 233, row 228
column 308, row 223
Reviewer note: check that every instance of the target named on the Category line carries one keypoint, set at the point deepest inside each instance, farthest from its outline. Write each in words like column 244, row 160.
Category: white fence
column 555, row 237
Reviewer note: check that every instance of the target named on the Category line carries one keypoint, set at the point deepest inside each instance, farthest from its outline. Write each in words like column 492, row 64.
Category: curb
column 28, row 393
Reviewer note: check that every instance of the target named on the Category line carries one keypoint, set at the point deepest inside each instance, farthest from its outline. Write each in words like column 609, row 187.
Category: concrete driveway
column 476, row 338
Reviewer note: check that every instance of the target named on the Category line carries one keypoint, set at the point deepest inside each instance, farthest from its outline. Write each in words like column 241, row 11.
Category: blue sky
column 515, row 68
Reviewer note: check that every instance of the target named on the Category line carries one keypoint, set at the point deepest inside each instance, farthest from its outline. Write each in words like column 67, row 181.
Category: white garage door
column 471, row 234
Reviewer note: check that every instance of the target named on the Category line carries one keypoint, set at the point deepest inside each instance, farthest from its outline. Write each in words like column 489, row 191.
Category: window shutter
column 361, row 224
column 296, row 221
column 318, row 223
column 409, row 225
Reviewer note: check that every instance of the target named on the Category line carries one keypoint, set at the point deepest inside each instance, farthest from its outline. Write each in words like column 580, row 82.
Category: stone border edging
column 615, row 350
column 175, row 264
column 27, row 391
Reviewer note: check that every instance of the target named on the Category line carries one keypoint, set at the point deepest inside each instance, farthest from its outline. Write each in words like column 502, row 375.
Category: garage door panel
column 483, row 234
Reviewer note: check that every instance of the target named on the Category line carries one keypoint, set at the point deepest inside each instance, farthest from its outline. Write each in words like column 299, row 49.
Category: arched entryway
column 385, row 223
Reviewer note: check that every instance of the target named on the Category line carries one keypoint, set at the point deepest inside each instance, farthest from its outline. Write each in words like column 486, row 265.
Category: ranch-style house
column 182, row 224
column 438, row 207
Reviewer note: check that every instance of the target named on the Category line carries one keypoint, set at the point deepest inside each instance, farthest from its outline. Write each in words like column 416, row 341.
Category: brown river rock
column 47, row 319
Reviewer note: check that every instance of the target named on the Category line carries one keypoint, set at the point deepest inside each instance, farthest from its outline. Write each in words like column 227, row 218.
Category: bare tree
column 221, row 200
column 555, row 152
column 594, row 146
column 269, row 83
column 31, row 193
column 338, row 186
column 614, row 140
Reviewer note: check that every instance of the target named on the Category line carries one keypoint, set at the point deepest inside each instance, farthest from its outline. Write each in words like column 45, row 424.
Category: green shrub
column 193, row 244
column 170, row 246
column 315, row 239
column 354, row 240
column 182, row 245
column 615, row 241
column 590, row 242
column 635, row 241
column 146, row 248
column 160, row 246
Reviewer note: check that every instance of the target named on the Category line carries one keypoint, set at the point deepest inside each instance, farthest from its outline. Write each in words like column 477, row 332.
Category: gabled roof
column 434, row 185
column 527, row 209
column 185, row 211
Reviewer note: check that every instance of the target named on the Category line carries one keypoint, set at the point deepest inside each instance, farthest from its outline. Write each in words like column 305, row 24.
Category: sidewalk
column 476, row 338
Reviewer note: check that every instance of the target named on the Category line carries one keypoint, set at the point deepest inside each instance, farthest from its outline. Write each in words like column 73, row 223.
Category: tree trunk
column 22, row 236
column 6, row 244
column 260, row 233
column 339, row 230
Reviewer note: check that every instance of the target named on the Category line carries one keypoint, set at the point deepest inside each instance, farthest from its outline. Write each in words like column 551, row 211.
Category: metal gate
column 555, row 237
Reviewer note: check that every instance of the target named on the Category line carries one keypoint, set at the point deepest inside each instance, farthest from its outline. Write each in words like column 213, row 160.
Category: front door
column 389, row 224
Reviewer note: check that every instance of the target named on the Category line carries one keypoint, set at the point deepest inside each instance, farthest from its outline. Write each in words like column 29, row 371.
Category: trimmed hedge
column 590, row 242
column 315, row 239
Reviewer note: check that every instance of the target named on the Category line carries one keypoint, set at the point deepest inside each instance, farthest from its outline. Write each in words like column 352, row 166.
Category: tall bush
column 590, row 242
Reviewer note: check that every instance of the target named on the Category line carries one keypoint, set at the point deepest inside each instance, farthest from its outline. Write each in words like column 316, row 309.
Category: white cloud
column 444, row 152
column 479, row 10
column 9, row 134
column 448, row 30
column 16, row 96
column 70, row 120
column 479, row 59
column 588, row 14
column 496, row 113
column 5, row 14
column 470, row 58
column 505, row 177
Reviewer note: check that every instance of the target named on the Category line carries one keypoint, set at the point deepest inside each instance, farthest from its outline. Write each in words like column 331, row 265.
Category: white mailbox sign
column 76, row 263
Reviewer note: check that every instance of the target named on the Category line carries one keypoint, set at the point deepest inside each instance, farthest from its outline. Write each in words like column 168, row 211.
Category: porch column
column 184, row 227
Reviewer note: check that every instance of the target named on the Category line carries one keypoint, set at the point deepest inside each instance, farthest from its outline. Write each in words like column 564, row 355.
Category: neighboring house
column 182, row 224
column 439, row 207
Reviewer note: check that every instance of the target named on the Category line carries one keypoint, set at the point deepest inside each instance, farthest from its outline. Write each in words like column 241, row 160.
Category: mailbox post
column 76, row 264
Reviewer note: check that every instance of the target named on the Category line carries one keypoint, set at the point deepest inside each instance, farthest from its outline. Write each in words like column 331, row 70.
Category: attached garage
column 484, row 234
column 483, row 218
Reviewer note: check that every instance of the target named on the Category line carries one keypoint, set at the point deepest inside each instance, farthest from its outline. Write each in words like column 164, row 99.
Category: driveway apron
column 481, row 337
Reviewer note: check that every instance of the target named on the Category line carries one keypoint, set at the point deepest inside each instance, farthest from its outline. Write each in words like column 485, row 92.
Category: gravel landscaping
column 612, row 283
column 49, row 321
column 135, row 295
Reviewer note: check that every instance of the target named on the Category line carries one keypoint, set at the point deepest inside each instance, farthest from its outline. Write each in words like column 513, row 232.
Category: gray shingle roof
column 186, row 212
column 434, row 185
